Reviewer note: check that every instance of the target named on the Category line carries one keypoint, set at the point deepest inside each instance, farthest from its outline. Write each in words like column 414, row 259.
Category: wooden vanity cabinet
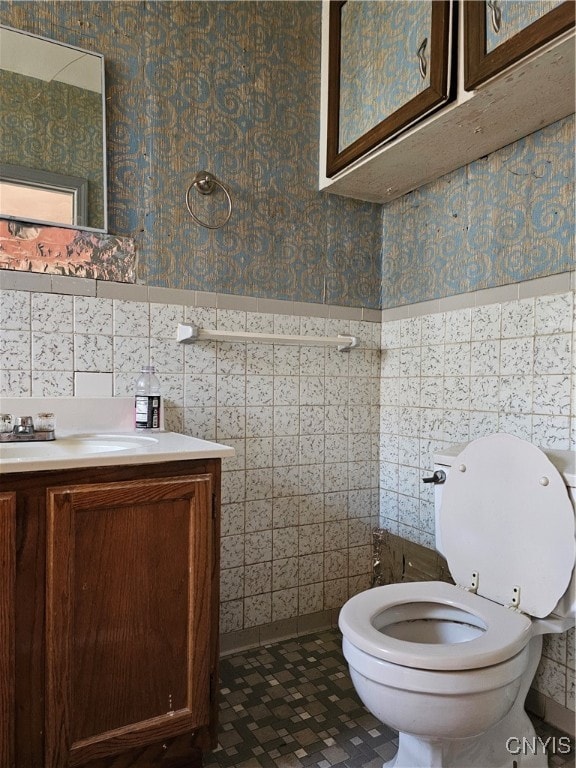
column 109, row 616
column 7, row 626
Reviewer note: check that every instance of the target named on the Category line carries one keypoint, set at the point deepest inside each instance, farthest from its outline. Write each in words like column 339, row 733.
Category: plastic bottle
column 147, row 400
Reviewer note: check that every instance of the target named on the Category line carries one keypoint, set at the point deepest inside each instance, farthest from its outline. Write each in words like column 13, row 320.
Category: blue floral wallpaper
column 233, row 88
column 505, row 218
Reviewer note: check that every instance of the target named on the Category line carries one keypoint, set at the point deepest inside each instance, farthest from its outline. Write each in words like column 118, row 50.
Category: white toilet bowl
column 446, row 667
column 433, row 662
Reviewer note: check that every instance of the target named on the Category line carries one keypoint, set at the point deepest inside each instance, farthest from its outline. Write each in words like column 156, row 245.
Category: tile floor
column 292, row 704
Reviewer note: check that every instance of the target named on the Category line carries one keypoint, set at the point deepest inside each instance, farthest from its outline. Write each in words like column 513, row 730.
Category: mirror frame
column 7, row 171
column 433, row 96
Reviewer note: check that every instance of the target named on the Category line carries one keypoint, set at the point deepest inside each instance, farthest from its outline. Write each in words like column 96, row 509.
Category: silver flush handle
column 437, row 478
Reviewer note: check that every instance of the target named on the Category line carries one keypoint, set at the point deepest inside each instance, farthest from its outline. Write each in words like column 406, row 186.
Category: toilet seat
column 506, row 631
column 507, row 524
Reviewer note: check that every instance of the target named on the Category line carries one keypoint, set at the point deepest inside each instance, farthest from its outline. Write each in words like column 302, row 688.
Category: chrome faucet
column 24, row 425
column 24, row 428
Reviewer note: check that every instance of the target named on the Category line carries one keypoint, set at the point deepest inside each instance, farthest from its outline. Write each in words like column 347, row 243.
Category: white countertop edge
column 171, row 446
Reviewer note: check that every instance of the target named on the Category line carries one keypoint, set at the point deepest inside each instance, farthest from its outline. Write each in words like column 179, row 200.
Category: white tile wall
column 301, row 496
column 448, row 377
column 316, row 431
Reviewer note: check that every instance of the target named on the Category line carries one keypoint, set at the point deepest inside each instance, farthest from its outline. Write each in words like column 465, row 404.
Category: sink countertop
column 73, row 450
column 93, row 432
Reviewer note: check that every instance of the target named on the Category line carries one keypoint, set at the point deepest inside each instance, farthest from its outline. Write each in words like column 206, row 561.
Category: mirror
column 52, row 132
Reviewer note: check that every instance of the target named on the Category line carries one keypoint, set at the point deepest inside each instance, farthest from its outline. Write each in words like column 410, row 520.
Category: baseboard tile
column 276, row 631
column 551, row 712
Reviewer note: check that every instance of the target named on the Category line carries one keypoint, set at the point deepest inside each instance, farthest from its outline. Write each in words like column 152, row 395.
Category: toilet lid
column 506, row 516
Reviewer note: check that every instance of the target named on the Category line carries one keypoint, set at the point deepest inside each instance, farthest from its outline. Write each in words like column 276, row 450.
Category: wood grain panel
column 128, row 603
column 7, row 627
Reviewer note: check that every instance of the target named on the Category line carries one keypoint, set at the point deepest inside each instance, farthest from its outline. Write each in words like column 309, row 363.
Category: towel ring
column 205, row 183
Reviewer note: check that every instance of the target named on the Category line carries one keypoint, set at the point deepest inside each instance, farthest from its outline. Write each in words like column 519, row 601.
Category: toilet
column 449, row 666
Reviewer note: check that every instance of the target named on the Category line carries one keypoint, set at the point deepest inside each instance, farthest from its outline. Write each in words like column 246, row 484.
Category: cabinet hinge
column 214, row 506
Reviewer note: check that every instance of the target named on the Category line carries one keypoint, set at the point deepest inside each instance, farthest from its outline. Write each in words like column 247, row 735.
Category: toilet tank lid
column 564, row 461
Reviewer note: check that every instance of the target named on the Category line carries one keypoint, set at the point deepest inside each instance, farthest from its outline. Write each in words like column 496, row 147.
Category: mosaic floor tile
column 292, row 705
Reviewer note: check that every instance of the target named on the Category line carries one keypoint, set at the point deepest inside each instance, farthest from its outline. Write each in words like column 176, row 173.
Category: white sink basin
column 74, row 446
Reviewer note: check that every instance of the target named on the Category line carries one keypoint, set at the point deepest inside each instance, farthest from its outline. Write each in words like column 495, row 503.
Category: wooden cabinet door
column 128, row 604
column 388, row 66
column 7, row 627
column 498, row 33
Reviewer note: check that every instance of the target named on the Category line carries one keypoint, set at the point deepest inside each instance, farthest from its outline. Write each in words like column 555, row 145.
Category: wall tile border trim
column 542, row 286
column 37, row 283
column 24, row 281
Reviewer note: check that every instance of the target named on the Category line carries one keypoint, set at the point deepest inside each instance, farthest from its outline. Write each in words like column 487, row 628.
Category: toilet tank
column 565, row 463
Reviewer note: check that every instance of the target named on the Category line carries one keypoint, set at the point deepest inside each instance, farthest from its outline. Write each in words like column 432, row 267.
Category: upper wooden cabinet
column 499, row 33
column 500, row 87
column 388, row 66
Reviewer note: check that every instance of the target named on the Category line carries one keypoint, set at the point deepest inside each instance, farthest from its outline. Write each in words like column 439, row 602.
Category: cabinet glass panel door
column 388, row 66
column 505, row 18
column 384, row 49
column 498, row 33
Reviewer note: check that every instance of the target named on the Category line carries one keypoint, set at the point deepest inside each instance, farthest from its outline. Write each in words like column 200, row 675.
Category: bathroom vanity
column 109, row 609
